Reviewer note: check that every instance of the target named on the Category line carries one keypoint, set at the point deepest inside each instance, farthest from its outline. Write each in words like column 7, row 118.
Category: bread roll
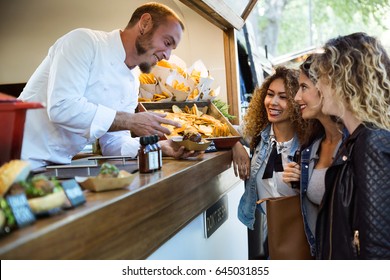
column 47, row 202
column 11, row 172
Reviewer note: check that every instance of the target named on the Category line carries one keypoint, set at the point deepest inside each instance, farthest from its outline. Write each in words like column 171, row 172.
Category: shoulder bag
column 286, row 235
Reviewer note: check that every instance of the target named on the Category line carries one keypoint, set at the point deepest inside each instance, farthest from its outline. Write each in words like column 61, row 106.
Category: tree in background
column 287, row 26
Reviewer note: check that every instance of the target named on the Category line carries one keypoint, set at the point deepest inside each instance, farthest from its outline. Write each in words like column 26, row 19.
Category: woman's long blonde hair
column 358, row 69
column 256, row 118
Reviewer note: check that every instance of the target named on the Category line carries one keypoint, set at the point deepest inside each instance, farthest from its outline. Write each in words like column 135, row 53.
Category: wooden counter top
column 129, row 223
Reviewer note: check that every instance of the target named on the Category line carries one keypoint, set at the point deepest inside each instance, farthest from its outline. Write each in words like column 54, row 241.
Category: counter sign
column 215, row 216
column 21, row 209
column 73, row 192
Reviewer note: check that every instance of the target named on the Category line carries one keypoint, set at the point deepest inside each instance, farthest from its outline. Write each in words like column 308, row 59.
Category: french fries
column 195, row 75
column 166, row 64
column 147, row 78
column 180, row 86
column 159, row 96
column 142, row 99
column 194, row 94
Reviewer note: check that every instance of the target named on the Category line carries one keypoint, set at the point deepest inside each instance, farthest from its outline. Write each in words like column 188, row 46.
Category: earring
column 142, row 32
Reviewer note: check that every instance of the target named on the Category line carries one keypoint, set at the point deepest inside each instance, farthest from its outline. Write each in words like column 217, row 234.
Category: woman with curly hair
column 353, row 74
column 271, row 129
column 324, row 137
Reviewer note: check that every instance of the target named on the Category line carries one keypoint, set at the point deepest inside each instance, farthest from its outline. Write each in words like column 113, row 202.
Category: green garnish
column 224, row 108
column 109, row 169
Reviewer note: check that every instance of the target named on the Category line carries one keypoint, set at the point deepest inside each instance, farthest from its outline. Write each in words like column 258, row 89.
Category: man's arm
column 144, row 123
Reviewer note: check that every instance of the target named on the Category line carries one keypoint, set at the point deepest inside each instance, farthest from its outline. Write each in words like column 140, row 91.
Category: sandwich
column 43, row 194
column 10, row 172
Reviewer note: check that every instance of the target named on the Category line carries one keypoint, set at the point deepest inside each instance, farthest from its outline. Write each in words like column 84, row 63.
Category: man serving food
column 89, row 87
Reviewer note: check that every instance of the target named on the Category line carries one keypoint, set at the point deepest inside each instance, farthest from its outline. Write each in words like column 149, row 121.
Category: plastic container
column 12, row 118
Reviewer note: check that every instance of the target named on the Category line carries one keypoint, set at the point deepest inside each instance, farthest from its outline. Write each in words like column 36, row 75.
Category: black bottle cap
column 144, row 140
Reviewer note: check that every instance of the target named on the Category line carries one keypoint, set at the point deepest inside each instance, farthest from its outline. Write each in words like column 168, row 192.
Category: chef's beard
column 142, row 44
column 145, row 67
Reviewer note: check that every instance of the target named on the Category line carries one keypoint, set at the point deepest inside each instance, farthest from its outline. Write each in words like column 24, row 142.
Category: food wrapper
column 162, row 73
column 191, row 145
column 146, row 91
column 98, row 184
column 210, row 94
column 182, row 84
column 165, row 68
column 197, row 71
column 154, row 93
column 176, row 63
column 194, row 95
column 179, row 86
column 200, row 75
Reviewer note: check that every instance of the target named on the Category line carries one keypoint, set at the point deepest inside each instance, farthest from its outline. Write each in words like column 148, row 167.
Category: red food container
column 12, row 117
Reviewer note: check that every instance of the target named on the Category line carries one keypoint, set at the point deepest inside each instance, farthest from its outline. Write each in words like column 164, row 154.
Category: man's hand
column 144, row 123
column 172, row 149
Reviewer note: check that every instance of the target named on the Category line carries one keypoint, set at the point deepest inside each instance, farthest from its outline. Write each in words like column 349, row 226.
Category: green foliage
column 347, row 8
column 224, row 108
column 329, row 18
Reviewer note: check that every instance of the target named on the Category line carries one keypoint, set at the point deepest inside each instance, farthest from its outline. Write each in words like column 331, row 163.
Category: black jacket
column 354, row 216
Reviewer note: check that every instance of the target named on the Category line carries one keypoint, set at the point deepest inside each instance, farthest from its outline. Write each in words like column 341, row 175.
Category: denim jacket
column 247, row 205
column 309, row 159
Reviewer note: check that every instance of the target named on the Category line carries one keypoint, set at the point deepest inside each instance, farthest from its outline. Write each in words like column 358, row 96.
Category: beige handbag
column 286, row 236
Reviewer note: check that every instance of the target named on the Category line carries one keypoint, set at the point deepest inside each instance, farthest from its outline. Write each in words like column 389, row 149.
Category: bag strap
column 260, row 201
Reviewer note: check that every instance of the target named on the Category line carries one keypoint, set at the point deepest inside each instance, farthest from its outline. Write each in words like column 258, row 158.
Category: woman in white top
column 272, row 128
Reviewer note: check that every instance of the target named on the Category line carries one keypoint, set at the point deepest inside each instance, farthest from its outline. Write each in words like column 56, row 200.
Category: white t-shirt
column 274, row 186
column 82, row 83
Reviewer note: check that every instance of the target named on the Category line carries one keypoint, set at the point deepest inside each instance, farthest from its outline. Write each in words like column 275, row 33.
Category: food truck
column 185, row 210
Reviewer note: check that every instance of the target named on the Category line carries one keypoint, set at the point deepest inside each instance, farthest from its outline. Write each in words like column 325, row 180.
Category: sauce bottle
column 144, row 155
column 158, row 150
column 153, row 155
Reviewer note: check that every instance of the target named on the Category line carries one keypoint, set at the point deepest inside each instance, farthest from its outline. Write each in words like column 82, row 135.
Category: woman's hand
column 241, row 161
column 291, row 173
column 172, row 149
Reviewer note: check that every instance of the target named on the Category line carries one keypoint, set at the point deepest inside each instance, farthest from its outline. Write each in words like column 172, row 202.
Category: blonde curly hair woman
column 353, row 223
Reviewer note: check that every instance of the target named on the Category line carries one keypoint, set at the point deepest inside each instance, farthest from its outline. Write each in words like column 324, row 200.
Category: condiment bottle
column 144, row 155
column 153, row 155
column 159, row 151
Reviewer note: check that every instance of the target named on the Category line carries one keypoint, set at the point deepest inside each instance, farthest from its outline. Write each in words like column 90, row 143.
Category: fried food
column 194, row 121
column 194, row 94
column 147, row 78
column 180, row 86
column 166, row 64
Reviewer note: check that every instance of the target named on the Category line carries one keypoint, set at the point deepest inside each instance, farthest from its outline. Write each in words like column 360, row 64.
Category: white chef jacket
column 82, row 83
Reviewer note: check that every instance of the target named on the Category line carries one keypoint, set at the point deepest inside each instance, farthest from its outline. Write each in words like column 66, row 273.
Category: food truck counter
column 129, row 223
